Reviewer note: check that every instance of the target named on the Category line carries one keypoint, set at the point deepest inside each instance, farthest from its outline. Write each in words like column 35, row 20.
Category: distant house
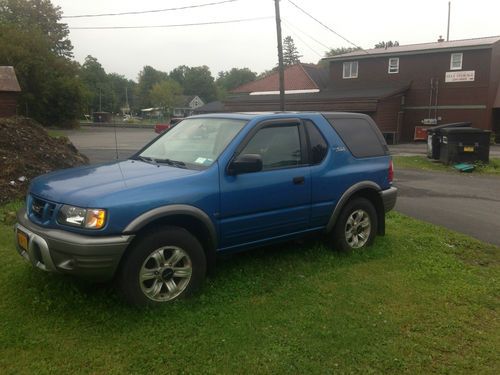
column 404, row 88
column 212, row 107
column 9, row 91
column 305, row 86
column 151, row 112
column 434, row 83
column 188, row 106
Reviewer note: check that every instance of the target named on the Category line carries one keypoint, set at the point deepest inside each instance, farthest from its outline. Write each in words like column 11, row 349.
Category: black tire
column 142, row 259
column 341, row 240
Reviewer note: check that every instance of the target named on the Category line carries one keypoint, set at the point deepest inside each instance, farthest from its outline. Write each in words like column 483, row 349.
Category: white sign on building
column 462, row 76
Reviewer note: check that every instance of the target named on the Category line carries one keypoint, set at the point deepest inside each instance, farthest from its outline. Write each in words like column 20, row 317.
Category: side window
column 456, row 61
column 360, row 137
column 350, row 70
column 319, row 147
column 393, row 65
column 279, row 146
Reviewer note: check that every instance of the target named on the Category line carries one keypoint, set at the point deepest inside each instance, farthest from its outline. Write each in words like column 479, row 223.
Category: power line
column 291, row 25
column 302, row 40
column 167, row 26
column 325, row 26
column 150, row 11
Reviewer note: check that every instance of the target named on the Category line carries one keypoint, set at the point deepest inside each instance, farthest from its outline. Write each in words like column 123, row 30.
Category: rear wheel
column 356, row 226
column 163, row 265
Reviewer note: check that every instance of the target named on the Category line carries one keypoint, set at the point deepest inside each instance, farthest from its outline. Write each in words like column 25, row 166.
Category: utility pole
column 280, row 55
column 449, row 11
column 100, row 100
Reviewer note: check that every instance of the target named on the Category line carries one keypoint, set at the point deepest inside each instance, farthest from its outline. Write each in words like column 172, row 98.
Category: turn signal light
column 95, row 218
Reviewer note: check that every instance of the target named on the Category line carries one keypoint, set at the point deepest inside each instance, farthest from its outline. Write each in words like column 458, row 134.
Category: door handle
column 299, row 180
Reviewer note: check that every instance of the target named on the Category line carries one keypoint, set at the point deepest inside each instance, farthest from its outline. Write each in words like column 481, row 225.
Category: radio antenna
column 116, row 139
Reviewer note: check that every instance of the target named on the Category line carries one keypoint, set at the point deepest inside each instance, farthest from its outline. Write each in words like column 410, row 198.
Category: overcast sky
column 253, row 44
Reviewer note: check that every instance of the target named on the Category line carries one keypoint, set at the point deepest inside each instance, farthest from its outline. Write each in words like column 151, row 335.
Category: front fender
column 175, row 209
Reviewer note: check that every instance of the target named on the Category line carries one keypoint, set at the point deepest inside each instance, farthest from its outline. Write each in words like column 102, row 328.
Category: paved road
column 99, row 143
column 466, row 203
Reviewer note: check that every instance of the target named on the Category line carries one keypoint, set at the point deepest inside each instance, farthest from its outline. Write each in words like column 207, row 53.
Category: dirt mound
column 26, row 151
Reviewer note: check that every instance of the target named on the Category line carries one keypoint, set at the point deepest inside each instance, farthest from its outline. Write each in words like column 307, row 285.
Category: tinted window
column 318, row 145
column 361, row 137
column 279, row 146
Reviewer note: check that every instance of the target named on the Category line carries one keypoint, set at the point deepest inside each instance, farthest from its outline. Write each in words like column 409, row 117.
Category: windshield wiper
column 147, row 159
column 173, row 163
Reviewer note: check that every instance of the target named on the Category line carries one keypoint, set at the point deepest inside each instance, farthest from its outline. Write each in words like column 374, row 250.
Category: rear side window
column 318, row 145
column 359, row 136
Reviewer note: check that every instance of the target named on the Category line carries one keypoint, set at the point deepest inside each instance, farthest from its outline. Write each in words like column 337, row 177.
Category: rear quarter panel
column 338, row 172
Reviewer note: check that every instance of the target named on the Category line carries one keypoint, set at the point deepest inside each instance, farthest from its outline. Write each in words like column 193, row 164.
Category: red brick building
column 9, row 91
column 401, row 87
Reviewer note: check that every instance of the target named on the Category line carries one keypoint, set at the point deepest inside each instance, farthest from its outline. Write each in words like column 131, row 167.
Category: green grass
column 54, row 133
column 421, row 162
column 422, row 300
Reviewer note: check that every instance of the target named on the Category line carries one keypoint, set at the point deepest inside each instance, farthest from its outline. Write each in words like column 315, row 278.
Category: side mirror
column 246, row 163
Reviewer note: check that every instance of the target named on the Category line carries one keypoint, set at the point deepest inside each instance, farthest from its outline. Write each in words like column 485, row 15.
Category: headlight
column 90, row 218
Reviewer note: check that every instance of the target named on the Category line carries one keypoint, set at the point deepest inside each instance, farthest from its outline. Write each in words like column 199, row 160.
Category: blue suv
column 213, row 184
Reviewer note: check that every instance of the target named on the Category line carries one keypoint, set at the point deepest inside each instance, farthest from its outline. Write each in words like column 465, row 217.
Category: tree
column 336, row 52
column 148, row 77
column 51, row 90
column 196, row 80
column 387, row 44
column 107, row 92
column 291, row 55
column 179, row 74
column 166, row 94
column 226, row 81
column 340, row 51
column 40, row 14
column 99, row 94
column 124, row 92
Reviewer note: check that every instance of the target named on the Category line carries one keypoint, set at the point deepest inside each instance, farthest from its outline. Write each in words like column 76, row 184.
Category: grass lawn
column 421, row 300
column 55, row 133
column 421, row 162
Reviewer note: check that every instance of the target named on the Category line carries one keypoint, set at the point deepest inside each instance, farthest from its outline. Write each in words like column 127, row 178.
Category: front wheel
column 165, row 264
column 356, row 226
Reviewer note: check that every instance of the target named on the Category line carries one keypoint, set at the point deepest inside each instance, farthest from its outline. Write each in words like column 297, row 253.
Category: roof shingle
column 8, row 79
column 297, row 77
column 420, row 48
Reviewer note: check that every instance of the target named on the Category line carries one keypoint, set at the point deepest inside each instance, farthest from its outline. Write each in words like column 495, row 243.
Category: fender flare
column 175, row 209
column 345, row 198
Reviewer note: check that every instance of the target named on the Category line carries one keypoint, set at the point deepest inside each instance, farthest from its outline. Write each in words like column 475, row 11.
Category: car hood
column 82, row 185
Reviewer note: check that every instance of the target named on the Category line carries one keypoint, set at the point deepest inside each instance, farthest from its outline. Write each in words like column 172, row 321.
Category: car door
column 275, row 201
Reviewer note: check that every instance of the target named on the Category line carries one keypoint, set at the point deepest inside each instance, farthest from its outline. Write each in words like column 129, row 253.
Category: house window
column 350, row 70
column 393, row 65
column 456, row 61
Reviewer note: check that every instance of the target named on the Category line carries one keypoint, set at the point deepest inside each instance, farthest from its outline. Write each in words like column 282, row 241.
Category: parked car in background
column 160, row 128
column 213, row 184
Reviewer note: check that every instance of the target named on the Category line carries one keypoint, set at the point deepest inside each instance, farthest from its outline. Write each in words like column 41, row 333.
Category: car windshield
column 193, row 143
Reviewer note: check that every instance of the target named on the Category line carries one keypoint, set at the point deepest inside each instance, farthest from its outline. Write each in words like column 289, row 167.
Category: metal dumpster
column 460, row 145
column 434, row 137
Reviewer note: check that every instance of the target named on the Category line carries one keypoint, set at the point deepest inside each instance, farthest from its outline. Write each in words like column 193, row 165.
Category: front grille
column 40, row 209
